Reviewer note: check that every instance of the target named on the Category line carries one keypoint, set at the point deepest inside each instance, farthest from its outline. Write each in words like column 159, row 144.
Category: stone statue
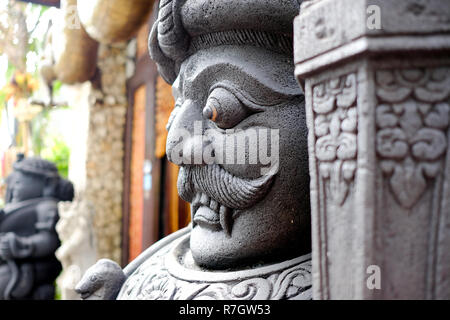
column 28, row 240
column 78, row 244
column 232, row 71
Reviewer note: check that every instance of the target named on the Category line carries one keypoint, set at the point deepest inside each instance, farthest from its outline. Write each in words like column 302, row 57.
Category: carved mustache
column 228, row 190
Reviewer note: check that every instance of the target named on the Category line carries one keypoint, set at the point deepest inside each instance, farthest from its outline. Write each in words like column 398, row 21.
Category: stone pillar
column 90, row 227
column 105, row 150
column 376, row 76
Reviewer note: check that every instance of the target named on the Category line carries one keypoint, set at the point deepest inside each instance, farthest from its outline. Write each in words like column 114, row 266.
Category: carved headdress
column 37, row 166
column 186, row 26
column 63, row 189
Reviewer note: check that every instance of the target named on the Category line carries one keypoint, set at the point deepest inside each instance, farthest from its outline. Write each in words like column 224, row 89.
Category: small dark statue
column 28, row 240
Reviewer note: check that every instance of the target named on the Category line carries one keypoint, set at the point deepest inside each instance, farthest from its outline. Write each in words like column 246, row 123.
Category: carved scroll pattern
column 412, row 119
column 335, row 128
column 152, row 281
column 291, row 284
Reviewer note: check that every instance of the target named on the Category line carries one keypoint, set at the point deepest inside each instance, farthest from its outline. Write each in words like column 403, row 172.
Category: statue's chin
column 209, row 246
column 257, row 236
column 212, row 248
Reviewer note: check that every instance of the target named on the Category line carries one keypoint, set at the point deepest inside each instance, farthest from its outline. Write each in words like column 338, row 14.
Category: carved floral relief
column 335, row 128
column 412, row 120
column 162, row 278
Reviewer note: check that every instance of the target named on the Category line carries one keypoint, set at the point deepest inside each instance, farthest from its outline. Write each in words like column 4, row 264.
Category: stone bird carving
column 102, row 281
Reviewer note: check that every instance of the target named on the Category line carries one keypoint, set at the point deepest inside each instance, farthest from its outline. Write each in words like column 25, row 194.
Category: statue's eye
column 224, row 109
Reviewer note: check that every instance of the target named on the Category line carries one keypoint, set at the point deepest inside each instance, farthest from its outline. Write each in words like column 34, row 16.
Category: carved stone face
column 241, row 214
column 25, row 186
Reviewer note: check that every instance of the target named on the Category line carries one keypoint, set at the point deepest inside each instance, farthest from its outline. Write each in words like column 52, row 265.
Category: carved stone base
column 171, row 274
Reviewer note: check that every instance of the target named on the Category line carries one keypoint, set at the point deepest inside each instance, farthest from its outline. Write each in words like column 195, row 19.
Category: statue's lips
column 220, row 191
column 206, row 217
column 207, row 212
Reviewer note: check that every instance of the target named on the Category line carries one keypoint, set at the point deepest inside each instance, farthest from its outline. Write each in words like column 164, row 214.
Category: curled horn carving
column 168, row 42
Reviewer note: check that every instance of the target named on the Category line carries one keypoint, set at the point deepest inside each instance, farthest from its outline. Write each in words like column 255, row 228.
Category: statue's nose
column 186, row 140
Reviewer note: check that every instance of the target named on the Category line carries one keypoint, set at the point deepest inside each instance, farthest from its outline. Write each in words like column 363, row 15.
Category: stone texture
column 96, row 164
column 104, row 161
column 78, row 250
column 171, row 274
column 28, row 240
column 231, row 69
column 377, row 105
column 244, row 73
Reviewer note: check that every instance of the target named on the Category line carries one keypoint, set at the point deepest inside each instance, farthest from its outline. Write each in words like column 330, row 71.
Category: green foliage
column 39, row 130
column 10, row 71
column 8, row 76
column 2, row 104
column 59, row 153
column 56, row 87
column 34, row 45
column 58, row 294
column 46, row 144
column 37, row 41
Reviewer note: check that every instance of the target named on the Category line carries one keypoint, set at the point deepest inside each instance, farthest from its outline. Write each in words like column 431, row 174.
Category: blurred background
column 78, row 88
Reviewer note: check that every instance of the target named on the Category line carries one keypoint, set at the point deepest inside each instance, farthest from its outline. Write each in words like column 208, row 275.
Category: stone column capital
column 330, row 31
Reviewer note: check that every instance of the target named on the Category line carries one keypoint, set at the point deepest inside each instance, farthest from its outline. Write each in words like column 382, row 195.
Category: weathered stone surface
column 28, row 240
column 377, row 105
column 231, row 67
column 78, row 250
column 104, row 160
column 96, row 165
column 344, row 29
column 102, row 281
column 172, row 274
column 243, row 74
